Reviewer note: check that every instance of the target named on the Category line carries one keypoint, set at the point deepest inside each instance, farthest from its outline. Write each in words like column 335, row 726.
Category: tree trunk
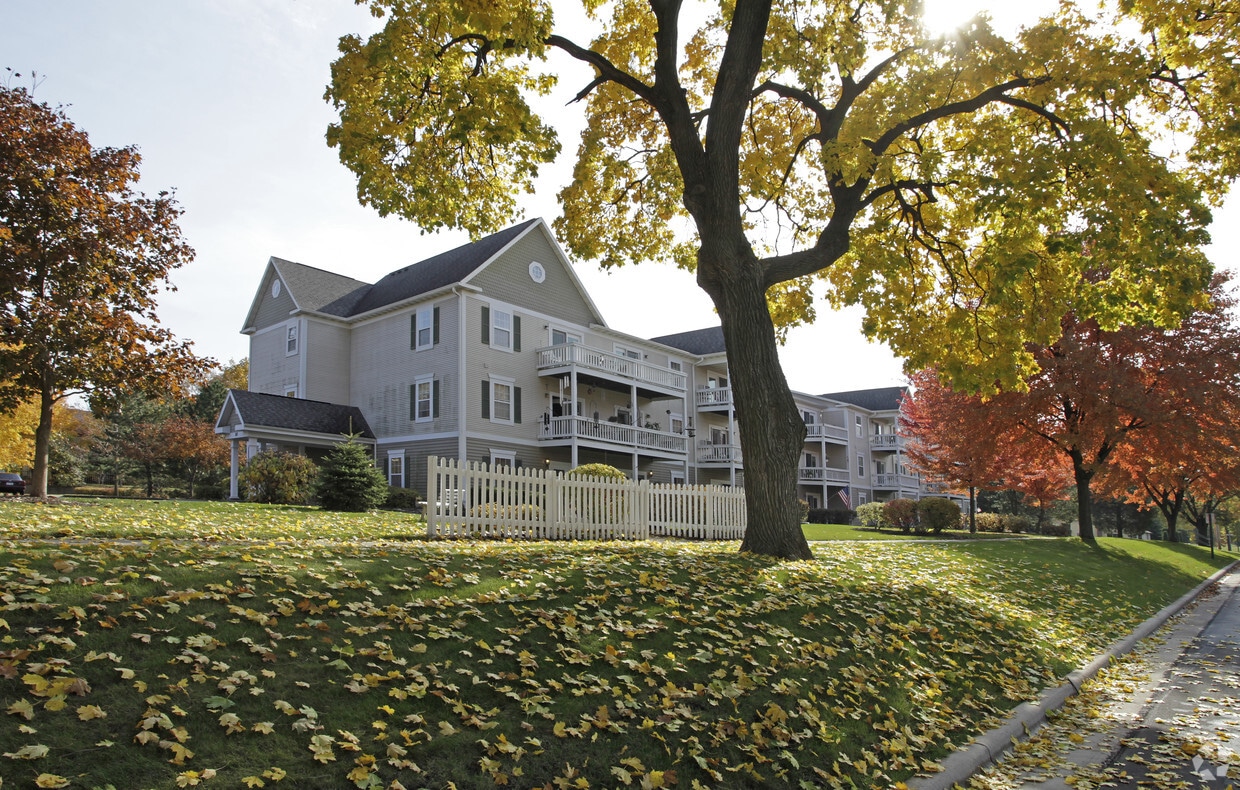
column 43, row 443
column 1170, row 507
column 772, row 430
column 1084, row 499
column 972, row 510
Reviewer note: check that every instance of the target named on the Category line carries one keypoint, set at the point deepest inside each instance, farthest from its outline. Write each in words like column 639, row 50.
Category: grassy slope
column 336, row 662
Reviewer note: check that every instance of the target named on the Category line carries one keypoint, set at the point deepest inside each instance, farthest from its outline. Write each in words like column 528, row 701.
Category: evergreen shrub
column 349, row 480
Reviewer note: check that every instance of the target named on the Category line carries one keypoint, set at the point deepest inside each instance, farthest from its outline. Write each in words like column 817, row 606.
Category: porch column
column 233, row 463
column 571, row 409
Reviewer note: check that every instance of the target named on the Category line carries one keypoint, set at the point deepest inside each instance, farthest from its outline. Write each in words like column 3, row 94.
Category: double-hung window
column 290, row 343
column 501, row 400
column 501, row 328
column 424, row 399
column 425, row 328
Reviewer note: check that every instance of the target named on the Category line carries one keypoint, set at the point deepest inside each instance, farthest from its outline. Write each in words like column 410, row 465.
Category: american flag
column 844, row 498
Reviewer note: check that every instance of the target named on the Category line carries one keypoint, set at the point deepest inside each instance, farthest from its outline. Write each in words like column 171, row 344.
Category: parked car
column 12, row 483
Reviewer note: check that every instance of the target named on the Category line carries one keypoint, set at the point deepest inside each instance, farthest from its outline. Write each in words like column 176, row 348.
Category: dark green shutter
column 413, row 330
column 486, row 399
column 435, row 325
column 435, row 398
column 413, row 402
column 516, row 404
column 486, row 325
column 516, row 335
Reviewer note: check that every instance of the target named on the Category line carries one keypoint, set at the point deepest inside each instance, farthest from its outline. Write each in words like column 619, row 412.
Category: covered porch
column 258, row 421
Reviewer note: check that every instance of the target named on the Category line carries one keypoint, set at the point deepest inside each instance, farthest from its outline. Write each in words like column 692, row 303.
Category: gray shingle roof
column 319, row 290
column 438, row 271
column 698, row 341
column 258, row 409
column 880, row 399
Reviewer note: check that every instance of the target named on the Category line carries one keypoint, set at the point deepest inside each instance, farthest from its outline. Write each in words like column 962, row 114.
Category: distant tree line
column 135, row 444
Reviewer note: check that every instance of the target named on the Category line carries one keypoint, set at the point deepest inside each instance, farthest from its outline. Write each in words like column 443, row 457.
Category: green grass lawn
column 244, row 646
column 851, row 532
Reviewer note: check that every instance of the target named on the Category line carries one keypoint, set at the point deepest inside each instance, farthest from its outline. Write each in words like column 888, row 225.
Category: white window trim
column 570, row 338
column 428, row 379
column 428, row 314
column 511, row 384
column 396, row 480
column 860, row 465
column 508, row 456
column 627, row 352
column 292, row 339
column 496, row 312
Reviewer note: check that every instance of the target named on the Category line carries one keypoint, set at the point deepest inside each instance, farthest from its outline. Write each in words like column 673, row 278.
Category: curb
column 985, row 749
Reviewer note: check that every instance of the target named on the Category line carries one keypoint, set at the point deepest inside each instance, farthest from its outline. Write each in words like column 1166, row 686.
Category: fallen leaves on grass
column 484, row 664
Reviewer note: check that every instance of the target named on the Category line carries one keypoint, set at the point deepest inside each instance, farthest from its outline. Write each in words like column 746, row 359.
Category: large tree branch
column 607, row 71
column 996, row 94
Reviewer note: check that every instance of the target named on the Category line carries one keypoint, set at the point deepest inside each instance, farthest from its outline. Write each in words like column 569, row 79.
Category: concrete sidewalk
column 1166, row 715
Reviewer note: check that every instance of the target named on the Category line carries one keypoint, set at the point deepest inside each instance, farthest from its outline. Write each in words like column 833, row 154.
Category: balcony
column 823, row 474
column 897, row 482
column 888, row 442
column 605, row 366
column 712, row 453
column 818, row 431
column 598, row 433
column 713, row 398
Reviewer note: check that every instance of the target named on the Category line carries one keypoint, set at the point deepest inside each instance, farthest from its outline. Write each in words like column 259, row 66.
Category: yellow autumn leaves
column 571, row 665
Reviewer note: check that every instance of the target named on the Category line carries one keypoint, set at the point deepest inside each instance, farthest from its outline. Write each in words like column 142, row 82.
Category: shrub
column 609, row 507
column 900, row 513
column 804, row 509
column 1014, row 523
column 349, row 480
column 816, row 515
column 278, row 478
column 938, row 514
column 871, row 515
column 989, row 522
column 597, row 470
column 1056, row 529
column 401, row 499
column 826, row 515
column 497, row 511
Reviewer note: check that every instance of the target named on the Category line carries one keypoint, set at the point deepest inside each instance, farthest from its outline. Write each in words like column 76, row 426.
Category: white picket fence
column 471, row 500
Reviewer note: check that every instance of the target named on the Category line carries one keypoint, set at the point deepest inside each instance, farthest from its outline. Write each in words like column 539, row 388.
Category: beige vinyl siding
column 508, row 278
column 384, row 366
column 520, row 368
column 272, row 310
column 415, row 458
column 327, row 349
column 480, row 450
column 271, row 370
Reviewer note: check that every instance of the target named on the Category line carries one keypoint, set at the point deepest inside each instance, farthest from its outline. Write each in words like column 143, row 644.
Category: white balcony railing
column 902, row 482
column 819, row 430
column 628, row 436
column 886, row 441
column 823, row 474
column 711, row 453
column 713, row 397
column 616, row 366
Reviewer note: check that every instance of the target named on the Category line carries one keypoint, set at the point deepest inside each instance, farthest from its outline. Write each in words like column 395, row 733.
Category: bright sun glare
column 1006, row 15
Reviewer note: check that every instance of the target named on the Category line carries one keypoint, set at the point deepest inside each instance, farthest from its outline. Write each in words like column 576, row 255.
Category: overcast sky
column 224, row 99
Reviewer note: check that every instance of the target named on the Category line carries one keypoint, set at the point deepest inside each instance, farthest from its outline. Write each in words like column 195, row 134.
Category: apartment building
column 494, row 352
